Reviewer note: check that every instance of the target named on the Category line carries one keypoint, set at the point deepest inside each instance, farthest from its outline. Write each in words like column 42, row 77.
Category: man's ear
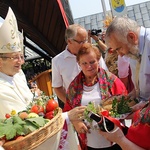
column 69, row 41
column 132, row 38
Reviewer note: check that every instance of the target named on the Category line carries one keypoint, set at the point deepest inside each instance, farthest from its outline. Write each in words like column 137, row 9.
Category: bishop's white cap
column 10, row 38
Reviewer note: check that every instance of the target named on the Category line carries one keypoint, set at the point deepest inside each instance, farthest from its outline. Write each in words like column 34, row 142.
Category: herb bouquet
column 118, row 107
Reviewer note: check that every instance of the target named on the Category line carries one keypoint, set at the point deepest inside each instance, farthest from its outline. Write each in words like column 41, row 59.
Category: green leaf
column 17, row 119
column 30, row 127
column 8, row 121
column 38, row 121
column 120, row 107
column 8, row 130
column 19, row 129
column 90, row 107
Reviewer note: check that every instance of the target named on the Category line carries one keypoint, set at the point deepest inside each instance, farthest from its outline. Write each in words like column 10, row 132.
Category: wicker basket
column 37, row 137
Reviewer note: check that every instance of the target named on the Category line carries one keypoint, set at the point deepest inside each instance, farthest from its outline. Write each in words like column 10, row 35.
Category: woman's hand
column 139, row 105
column 119, row 138
column 80, row 127
column 115, row 136
column 76, row 114
column 132, row 94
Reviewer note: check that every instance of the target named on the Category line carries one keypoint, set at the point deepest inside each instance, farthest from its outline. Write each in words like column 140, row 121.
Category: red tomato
column 51, row 105
column 7, row 116
column 18, row 137
column 37, row 109
column 49, row 115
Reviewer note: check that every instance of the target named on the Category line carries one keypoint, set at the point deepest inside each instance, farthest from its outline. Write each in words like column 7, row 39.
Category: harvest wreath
column 28, row 129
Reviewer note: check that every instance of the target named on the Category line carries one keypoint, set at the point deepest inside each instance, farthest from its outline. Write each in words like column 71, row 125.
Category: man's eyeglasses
column 79, row 42
column 15, row 58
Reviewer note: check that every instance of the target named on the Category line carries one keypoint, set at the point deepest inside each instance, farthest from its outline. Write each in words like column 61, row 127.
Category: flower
column 13, row 112
column 108, row 20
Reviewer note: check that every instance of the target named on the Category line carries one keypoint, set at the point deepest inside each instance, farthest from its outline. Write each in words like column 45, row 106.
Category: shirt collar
column 68, row 54
column 142, row 39
column 7, row 78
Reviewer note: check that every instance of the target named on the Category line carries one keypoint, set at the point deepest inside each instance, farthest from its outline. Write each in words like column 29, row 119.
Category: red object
column 18, row 137
column 115, row 121
column 139, row 131
column 63, row 136
column 37, row 109
column 51, row 105
column 130, row 85
column 63, row 13
column 105, row 113
column 49, row 115
column 110, row 50
column 7, row 116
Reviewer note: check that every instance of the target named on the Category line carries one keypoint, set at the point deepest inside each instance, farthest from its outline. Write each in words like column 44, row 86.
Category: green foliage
column 15, row 126
column 38, row 121
column 120, row 107
column 90, row 107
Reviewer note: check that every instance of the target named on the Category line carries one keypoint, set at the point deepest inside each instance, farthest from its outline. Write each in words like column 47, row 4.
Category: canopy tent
column 43, row 23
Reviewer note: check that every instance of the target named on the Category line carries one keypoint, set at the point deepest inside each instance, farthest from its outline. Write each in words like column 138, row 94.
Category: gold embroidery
column 14, row 30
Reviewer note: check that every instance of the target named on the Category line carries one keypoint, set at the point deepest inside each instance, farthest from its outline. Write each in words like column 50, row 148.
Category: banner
column 118, row 7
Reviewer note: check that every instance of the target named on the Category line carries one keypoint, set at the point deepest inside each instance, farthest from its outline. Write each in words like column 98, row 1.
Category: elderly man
column 127, row 38
column 14, row 92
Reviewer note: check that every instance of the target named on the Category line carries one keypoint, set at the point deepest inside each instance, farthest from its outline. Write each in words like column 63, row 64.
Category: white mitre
column 10, row 38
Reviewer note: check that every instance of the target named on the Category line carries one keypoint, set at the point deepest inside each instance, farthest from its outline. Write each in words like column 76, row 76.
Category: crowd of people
column 132, row 48
column 15, row 93
column 79, row 76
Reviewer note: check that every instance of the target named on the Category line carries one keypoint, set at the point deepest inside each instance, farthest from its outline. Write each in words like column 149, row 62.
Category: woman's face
column 89, row 64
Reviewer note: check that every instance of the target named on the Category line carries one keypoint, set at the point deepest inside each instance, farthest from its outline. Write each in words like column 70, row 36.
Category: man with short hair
column 127, row 38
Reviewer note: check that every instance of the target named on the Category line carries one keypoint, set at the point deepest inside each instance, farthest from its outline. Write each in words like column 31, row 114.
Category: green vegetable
column 120, row 107
column 90, row 107
column 14, row 126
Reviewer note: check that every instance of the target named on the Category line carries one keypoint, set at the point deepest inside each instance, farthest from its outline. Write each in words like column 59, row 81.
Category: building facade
column 139, row 12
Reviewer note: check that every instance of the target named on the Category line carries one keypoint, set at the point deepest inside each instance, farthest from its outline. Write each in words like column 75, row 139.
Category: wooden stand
column 44, row 82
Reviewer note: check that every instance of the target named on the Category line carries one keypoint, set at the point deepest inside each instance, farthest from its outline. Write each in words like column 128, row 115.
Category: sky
column 81, row 8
